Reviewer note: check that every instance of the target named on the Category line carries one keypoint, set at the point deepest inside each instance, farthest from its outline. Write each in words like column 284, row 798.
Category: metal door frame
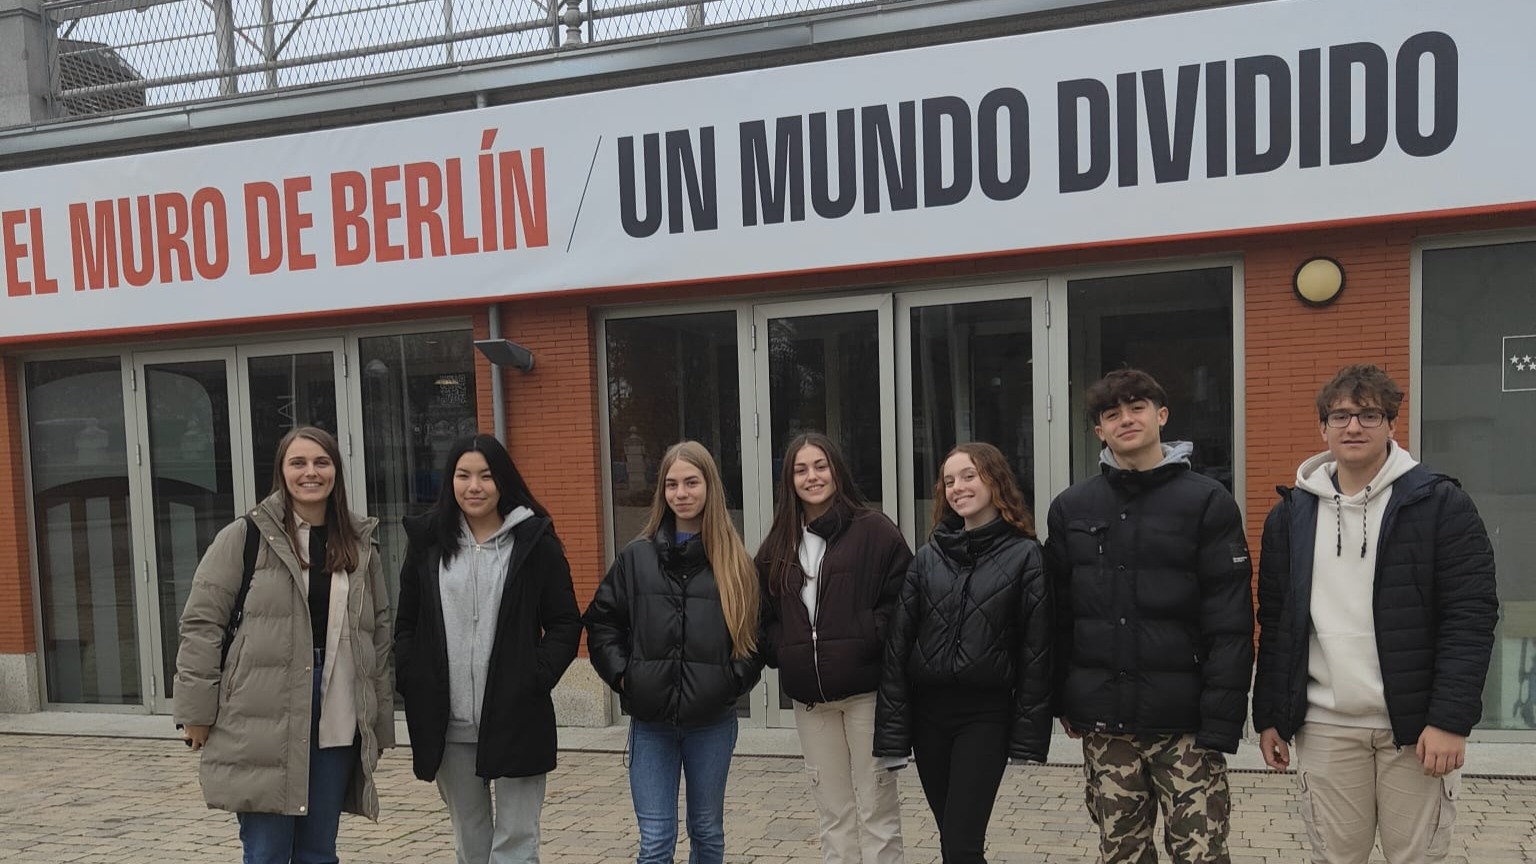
column 141, row 490
column 1039, row 321
column 756, row 411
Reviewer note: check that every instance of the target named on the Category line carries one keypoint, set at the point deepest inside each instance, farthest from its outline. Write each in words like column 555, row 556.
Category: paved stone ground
column 129, row 801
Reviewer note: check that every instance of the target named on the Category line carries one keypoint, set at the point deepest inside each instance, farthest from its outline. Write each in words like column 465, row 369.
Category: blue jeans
column 660, row 754
column 274, row 838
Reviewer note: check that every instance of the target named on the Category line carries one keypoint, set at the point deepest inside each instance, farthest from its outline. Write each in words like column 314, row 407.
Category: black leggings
column 961, row 751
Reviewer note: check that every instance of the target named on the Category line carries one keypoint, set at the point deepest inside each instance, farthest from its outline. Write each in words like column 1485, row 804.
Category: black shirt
column 319, row 586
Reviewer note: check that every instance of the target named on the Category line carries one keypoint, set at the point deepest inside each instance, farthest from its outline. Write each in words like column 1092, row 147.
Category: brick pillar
column 552, row 432
column 1292, row 349
column 18, row 637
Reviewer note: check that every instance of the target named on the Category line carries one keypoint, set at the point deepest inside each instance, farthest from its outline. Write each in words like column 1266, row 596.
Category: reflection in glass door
column 88, row 595
column 970, row 375
column 189, row 472
column 821, row 367
column 1175, row 325
column 284, row 391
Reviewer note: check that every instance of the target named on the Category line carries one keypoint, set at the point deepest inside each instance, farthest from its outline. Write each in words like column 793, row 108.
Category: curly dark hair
column 1365, row 384
column 1122, row 387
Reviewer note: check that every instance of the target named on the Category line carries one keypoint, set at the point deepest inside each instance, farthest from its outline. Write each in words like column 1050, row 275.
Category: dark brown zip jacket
column 838, row 655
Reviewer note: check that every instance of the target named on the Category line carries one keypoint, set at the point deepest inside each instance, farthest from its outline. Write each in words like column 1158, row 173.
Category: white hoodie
column 1344, row 670
column 471, row 586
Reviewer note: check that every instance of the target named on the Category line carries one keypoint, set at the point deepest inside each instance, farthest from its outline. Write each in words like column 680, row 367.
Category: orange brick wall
column 1292, row 350
column 552, row 427
column 17, row 634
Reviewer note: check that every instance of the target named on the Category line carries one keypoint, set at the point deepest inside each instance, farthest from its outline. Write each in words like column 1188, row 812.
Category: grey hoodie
column 1344, row 686
column 1173, row 451
column 471, row 586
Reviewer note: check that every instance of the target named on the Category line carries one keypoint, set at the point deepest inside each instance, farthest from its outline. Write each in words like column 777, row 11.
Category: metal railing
column 117, row 55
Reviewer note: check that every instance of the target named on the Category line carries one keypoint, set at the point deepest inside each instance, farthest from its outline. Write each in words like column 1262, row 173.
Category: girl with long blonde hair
column 681, row 597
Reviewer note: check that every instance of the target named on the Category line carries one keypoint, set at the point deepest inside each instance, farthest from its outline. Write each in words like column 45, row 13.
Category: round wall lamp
column 1318, row 281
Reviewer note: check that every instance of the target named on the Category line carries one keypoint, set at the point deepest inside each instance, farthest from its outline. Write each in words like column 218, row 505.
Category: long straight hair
column 995, row 472
column 510, row 486
column 342, row 539
column 735, row 577
column 781, row 548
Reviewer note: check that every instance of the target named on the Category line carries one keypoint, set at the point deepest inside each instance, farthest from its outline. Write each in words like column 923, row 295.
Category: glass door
column 289, row 385
column 186, row 460
column 209, row 422
column 824, row 366
column 972, row 368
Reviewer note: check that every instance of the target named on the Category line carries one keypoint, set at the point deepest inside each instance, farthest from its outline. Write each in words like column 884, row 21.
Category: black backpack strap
column 247, row 570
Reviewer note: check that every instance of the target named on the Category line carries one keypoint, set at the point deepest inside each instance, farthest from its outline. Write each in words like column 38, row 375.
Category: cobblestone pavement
column 133, row 801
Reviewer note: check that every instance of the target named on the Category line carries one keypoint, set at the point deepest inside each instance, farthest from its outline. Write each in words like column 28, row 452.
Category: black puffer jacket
column 657, row 635
column 1435, row 605
column 537, row 629
column 973, row 614
column 1154, row 606
column 861, row 575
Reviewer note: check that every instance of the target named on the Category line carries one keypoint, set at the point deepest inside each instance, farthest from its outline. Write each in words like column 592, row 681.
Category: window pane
column 79, row 454
column 192, row 484
column 287, row 391
column 972, row 380
column 824, row 376
column 1177, row 327
column 670, row 378
column 418, row 398
column 1479, row 392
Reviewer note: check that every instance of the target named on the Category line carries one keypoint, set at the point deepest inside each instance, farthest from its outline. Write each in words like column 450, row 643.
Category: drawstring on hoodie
column 1365, row 518
column 1338, row 526
column 1338, row 523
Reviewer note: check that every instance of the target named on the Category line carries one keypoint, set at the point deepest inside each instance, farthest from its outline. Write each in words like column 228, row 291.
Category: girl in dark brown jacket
column 832, row 568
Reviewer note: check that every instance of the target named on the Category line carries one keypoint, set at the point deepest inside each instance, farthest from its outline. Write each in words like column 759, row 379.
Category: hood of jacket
column 829, row 525
column 1316, row 474
column 1176, row 456
column 419, row 528
column 269, row 518
column 958, row 544
column 515, row 517
column 680, row 559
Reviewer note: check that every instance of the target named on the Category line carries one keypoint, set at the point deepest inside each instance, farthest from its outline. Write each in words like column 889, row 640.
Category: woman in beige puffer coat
column 290, row 735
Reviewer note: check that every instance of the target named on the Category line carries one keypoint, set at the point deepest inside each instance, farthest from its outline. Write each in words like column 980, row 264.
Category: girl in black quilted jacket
column 967, row 677
column 673, row 630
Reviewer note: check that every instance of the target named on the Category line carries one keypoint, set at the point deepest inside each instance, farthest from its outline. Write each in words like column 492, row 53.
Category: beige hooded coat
column 257, row 756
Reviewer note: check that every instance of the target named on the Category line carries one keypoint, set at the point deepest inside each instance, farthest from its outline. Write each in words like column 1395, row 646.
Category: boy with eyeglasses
column 1377, row 605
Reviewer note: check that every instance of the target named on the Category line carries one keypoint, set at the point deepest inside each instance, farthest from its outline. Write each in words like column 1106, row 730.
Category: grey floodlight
column 505, row 352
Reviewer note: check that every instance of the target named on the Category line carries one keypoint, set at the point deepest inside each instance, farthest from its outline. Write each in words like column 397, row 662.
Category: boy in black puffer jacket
column 1154, row 624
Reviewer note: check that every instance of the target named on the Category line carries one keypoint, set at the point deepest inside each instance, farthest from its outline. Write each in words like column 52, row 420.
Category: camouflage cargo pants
column 1131, row 776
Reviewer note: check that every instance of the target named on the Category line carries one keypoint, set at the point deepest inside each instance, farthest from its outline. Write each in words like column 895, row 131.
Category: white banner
column 1232, row 119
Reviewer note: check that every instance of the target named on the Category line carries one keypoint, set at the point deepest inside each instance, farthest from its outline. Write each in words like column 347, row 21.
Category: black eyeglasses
column 1369, row 419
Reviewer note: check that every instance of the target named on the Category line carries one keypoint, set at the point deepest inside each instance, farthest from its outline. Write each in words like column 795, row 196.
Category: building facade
column 908, row 225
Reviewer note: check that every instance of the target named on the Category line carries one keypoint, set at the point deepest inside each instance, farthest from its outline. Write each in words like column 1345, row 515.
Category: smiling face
column 474, row 487
column 1133, row 431
column 814, row 485
column 309, row 475
column 686, row 493
column 1357, row 449
column 966, row 492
